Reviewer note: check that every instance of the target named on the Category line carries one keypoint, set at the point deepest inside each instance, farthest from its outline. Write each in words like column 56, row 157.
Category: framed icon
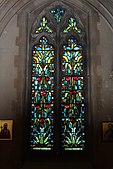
column 6, row 129
column 107, row 131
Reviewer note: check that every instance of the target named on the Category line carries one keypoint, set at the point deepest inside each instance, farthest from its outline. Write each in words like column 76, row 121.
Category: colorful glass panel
column 42, row 108
column 72, row 26
column 43, row 26
column 57, row 12
column 73, row 101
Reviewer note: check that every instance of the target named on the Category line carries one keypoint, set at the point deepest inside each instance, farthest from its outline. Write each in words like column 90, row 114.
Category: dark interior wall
column 14, row 57
column 103, row 151
column 9, row 105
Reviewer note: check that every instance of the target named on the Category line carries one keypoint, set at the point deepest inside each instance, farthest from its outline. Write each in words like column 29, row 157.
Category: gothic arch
column 64, row 29
column 17, row 5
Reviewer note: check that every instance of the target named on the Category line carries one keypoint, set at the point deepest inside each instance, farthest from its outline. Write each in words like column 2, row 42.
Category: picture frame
column 6, row 129
column 107, row 131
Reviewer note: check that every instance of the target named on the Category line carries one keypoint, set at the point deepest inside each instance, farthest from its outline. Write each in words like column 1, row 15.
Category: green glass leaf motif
column 44, row 26
column 57, row 12
column 72, row 26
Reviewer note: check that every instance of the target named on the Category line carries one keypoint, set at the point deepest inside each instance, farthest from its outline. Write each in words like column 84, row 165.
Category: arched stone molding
column 9, row 8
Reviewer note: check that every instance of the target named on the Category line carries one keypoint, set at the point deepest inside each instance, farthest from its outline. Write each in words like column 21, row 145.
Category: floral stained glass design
column 72, row 26
column 43, row 26
column 51, row 68
column 57, row 12
column 73, row 101
column 42, row 107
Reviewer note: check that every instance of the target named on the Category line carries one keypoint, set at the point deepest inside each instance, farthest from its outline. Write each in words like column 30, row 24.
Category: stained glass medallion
column 73, row 101
column 42, row 107
column 43, row 26
column 57, row 12
column 72, row 26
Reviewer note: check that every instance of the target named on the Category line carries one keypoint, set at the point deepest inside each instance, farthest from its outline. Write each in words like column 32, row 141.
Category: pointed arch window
column 57, row 86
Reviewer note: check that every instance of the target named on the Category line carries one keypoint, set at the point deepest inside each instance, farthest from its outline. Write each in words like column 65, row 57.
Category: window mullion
column 57, row 93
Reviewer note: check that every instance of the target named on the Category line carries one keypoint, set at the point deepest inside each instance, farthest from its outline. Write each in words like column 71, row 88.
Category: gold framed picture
column 6, row 129
column 107, row 131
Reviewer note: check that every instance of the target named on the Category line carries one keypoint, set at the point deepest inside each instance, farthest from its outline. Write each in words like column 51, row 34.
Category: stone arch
column 15, row 6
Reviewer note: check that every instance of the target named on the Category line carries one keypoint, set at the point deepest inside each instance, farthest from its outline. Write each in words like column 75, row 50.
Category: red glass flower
column 39, row 78
column 75, row 78
column 71, row 92
column 41, row 120
column 72, row 120
column 68, row 78
column 74, row 92
column 47, row 78
column 37, row 106
column 47, row 105
column 43, row 93
column 66, row 106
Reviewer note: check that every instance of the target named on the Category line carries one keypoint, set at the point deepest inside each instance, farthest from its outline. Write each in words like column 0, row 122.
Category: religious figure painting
column 107, row 131
column 6, row 128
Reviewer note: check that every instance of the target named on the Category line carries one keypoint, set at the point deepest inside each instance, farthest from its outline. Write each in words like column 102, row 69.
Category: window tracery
column 57, row 69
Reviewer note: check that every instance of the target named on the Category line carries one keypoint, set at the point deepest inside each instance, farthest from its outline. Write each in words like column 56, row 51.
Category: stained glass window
column 57, row 82
column 72, row 96
column 42, row 113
